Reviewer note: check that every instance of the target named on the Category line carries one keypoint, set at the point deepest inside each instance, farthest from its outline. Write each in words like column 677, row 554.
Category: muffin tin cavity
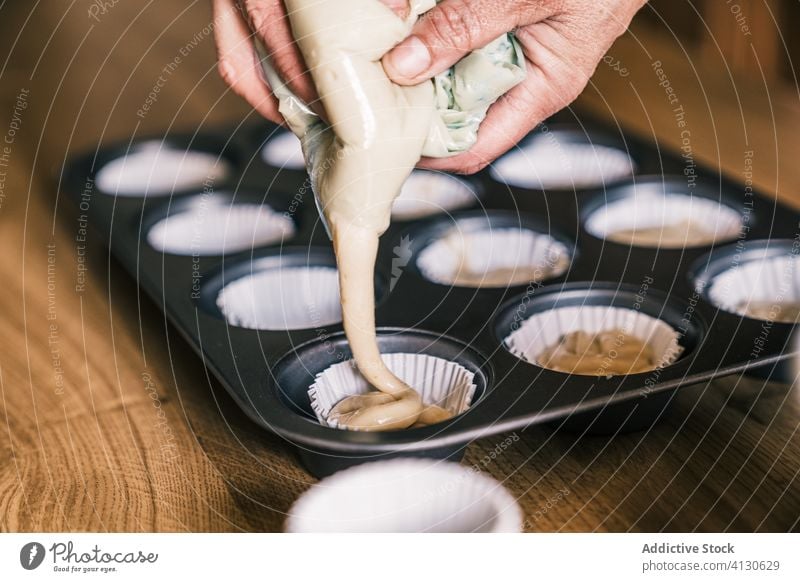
column 287, row 289
column 216, row 224
column 565, row 159
column 283, row 150
column 492, row 250
column 659, row 212
column 443, row 369
column 529, row 325
column 284, row 298
column 760, row 280
column 427, row 193
column 160, row 168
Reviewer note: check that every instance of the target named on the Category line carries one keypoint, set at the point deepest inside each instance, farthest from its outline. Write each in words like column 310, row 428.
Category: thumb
column 447, row 32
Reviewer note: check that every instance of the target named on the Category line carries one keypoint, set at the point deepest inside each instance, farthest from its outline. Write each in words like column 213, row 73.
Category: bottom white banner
column 389, row 557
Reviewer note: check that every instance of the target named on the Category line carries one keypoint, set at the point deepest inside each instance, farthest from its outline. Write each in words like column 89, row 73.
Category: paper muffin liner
column 518, row 255
column 426, row 193
column 439, row 382
column 546, row 164
column 283, row 299
column 284, row 151
column 406, row 496
column 156, row 169
column 220, row 228
column 545, row 329
column 647, row 211
column 766, row 282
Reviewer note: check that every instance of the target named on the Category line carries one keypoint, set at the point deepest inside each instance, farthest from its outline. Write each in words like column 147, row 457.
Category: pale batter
column 498, row 277
column 607, row 353
column 375, row 134
column 788, row 312
column 679, row 234
column 464, row 276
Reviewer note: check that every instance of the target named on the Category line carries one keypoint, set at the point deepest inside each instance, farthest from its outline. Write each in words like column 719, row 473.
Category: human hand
column 236, row 23
column 562, row 40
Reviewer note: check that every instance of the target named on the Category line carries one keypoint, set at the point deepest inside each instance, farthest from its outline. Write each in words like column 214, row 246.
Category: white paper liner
column 284, row 151
column 546, row 163
column 484, row 251
column 406, row 496
column 439, row 382
column 426, row 193
column 156, row 169
column 657, row 211
column 545, row 329
column 283, row 298
column 773, row 280
column 217, row 228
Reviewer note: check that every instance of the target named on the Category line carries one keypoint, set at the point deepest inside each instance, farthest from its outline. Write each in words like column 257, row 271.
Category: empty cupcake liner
column 545, row 329
column 426, row 193
column 155, row 168
column 406, row 496
column 547, row 164
column 284, row 151
column 494, row 257
column 677, row 219
column 759, row 284
column 217, row 228
column 440, row 382
column 283, row 299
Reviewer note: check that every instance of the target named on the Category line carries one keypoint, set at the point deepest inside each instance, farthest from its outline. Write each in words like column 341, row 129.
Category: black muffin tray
column 268, row 373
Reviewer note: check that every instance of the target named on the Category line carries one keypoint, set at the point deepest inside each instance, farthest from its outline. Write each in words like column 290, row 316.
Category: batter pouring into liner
column 375, row 133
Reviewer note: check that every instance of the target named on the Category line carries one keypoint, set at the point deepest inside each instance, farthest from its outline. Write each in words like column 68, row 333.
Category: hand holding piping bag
column 374, row 131
column 561, row 42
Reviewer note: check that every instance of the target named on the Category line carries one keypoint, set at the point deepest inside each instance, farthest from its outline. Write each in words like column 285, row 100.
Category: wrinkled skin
column 563, row 40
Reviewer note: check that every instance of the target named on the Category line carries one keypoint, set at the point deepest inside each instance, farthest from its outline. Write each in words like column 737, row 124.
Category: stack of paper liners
column 439, row 382
column 406, row 495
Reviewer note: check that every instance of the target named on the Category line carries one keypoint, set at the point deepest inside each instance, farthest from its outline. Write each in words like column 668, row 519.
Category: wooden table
column 84, row 445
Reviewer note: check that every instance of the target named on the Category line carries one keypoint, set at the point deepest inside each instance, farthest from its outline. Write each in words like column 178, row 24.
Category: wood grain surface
column 110, row 423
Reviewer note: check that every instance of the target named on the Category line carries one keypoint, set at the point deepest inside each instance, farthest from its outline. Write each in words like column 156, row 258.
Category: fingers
column 236, row 60
column 546, row 89
column 268, row 20
column 453, row 28
column 560, row 59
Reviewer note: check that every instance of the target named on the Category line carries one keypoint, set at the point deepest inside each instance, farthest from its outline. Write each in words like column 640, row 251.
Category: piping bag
column 345, row 55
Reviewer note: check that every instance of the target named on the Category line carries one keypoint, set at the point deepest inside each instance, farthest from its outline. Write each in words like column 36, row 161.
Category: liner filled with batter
column 445, row 389
column 766, row 288
column 665, row 221
column 595, row 340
